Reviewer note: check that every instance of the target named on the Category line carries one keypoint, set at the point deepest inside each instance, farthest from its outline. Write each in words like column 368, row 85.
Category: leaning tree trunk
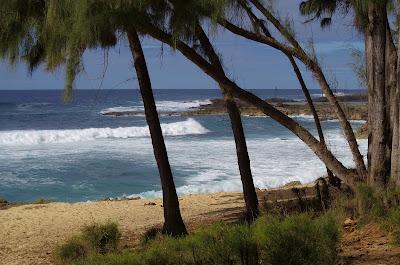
column 321, row 151
column 258, row 25
column 377, row 116
column 249, row 191
column 173, row 223
column 316, row 69
column 332, row 179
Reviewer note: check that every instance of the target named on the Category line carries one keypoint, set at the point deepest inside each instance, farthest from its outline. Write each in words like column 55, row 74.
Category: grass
column 273, row 239
column 95, row 239
column 296, row 239
column 372, row 206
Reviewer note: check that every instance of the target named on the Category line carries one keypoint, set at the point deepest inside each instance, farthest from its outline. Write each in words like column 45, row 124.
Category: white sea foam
column 162, row 106
column 274, row 162
column 32, row 137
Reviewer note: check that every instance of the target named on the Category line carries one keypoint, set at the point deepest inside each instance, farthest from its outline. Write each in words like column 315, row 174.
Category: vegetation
column 95, row 239
column 57, row 33
column 382, row 61
column 297, row 239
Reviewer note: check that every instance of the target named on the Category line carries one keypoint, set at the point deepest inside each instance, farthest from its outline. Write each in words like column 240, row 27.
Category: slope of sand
column 29, row 233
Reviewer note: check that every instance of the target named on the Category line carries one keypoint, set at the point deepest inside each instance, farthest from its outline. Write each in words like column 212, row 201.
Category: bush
column 151, row 234
column 298, row 239
column 392, row 224
column 95, row 239
column 74, row 249
column 223, row 244
column 369, row 204
column 103, row 238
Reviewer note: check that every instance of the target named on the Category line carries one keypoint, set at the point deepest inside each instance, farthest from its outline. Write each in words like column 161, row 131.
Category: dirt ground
column 30, row 233
column 368, row 245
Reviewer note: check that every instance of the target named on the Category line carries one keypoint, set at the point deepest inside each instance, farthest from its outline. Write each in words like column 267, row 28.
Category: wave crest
column 162, row 107
column 32, row 137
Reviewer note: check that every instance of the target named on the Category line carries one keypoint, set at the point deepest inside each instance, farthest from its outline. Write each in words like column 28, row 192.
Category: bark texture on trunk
column 395, row 166
column 249, row 191
column 377, row 116
column 173, row 223
column 347, row 175
column 391, row 88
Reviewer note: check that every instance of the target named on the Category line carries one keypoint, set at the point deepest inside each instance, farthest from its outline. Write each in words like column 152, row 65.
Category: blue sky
column 252, row 65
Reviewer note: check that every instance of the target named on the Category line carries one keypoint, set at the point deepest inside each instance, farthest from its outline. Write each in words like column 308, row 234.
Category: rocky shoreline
column 355, row 107
column 353, row 110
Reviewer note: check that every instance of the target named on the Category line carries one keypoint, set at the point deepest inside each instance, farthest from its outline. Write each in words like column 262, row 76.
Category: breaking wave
column 32, row 137
column 162, row 107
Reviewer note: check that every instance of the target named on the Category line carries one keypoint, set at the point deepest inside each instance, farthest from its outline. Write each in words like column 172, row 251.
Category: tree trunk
column 173, row 223
column 249, row 191
column 259, row 26
column 377, row 116
column 391, row 88
column 319, row 149
column 324, row 85
column 332, row 179
column 395, row 170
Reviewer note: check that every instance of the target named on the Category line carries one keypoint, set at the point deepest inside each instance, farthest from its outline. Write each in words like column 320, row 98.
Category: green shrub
column 151, row 234
column 103, row 238
column 74, row 249
column 298, row 239
column 124, row 258
column 392, row 224
column 95, row 239
column 369, row 204
column 223, row 244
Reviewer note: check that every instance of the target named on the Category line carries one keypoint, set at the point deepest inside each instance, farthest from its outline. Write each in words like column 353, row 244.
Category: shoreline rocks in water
column 353, row 110
column 355, row 107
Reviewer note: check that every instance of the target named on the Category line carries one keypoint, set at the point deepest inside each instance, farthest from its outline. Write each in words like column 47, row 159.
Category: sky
column 251, row 65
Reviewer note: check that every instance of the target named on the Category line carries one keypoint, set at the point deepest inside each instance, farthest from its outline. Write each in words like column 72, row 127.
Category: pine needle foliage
column 324, row 10
column 56, row 33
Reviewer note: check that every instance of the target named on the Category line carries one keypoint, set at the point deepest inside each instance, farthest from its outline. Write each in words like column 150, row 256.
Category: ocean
column 73, row 153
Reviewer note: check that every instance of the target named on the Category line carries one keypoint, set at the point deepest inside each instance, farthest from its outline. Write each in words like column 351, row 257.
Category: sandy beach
column 30, row 233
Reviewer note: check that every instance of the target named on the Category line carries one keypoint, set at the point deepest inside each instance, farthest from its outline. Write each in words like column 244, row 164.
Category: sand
column 30, row 233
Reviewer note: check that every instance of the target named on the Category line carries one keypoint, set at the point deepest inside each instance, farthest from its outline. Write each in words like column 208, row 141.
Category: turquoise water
column 73, row 153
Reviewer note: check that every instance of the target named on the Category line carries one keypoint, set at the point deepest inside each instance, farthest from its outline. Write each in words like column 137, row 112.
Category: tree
column 249, row 192
column 64, row 30
column 371, row 17
column 395, row 169
column 320, row 150
column 260, row 27
column 173, row 224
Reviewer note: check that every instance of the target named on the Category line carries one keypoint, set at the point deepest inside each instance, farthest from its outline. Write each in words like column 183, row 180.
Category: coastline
column 355, row 110
column 31, row 233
